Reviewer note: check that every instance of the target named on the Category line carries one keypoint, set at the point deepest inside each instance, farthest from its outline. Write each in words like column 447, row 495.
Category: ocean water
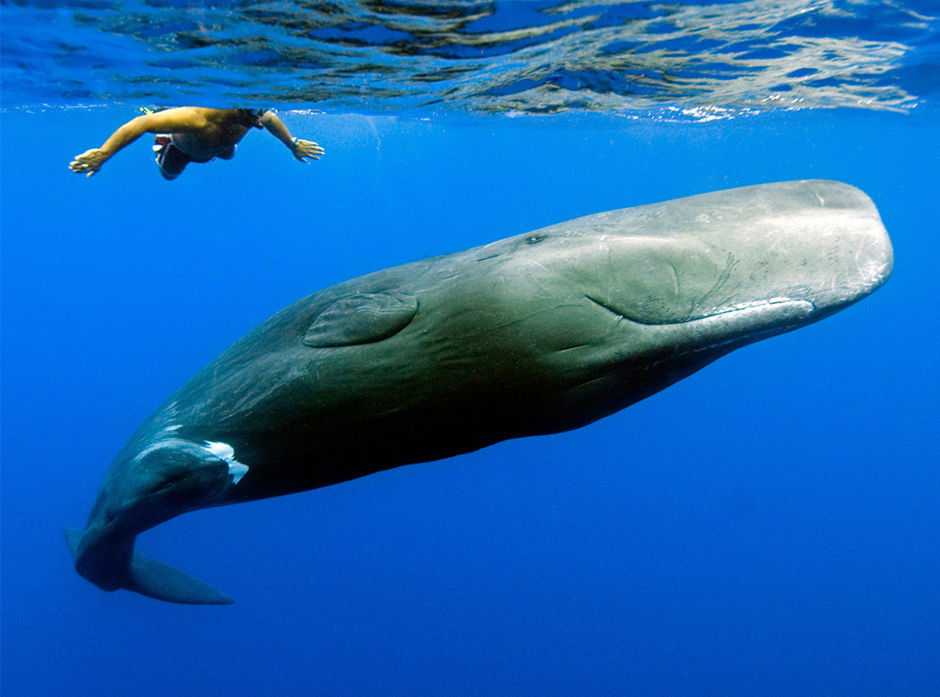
column 767, row 526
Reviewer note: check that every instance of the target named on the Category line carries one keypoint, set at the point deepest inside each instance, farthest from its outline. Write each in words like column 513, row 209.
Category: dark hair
column 251, row 117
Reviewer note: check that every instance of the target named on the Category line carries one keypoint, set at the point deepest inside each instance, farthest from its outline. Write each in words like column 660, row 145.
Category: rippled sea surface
column 702, row 59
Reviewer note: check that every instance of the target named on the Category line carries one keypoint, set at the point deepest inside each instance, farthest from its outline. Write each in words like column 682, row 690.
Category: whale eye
column 362, row 318
column 535, row 238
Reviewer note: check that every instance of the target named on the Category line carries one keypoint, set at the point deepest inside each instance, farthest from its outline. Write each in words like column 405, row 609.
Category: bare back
column 217, row 132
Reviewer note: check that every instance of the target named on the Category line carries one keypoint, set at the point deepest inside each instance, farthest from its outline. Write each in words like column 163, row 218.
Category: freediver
column 193, row 134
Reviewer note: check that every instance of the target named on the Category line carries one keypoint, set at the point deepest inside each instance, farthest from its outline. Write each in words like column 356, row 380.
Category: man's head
column 250, row 118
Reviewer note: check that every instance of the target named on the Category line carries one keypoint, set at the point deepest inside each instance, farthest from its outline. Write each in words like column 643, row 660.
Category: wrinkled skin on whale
column 534, row 334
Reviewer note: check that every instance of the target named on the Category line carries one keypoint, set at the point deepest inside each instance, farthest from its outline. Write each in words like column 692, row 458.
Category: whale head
column 599, row 312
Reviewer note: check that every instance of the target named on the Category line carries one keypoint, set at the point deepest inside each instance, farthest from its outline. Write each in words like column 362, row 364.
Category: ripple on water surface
column 706, row 58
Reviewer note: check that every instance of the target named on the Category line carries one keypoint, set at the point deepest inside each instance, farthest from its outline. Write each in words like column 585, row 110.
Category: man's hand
column 306, row 148
column 89, row 161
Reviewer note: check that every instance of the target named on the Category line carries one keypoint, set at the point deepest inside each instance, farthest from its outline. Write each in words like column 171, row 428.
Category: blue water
column 768, row 526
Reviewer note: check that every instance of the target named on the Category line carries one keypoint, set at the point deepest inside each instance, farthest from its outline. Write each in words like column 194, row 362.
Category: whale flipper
column 361, row 318
column 158, row 580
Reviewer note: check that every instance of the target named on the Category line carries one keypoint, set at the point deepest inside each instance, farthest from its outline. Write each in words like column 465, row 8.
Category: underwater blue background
column 767, row 526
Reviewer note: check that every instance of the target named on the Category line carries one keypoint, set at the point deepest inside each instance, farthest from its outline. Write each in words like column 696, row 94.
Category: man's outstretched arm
column 299, row 148
column 184, row 118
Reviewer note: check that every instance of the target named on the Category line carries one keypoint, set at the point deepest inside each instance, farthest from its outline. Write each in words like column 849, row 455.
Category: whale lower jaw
column 769, row 308
column 738, row 325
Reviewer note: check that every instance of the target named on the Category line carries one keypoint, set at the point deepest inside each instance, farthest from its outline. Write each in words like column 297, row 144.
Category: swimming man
column 193, row 134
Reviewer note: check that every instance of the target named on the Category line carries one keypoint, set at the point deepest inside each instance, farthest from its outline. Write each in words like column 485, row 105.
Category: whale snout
column 820, row 241
column 848, row 241
column 801, row 249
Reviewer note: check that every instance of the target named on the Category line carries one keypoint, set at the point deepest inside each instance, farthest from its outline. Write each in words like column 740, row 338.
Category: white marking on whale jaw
column 226, row 452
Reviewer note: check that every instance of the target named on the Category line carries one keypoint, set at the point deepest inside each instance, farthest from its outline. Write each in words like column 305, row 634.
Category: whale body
column 534, row 334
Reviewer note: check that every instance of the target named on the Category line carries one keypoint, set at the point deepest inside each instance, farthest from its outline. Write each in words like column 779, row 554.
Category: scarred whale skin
column 534, row 334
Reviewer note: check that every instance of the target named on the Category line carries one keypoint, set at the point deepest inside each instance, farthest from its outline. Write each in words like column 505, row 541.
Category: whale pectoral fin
column 362, row 318
column 157, row 580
